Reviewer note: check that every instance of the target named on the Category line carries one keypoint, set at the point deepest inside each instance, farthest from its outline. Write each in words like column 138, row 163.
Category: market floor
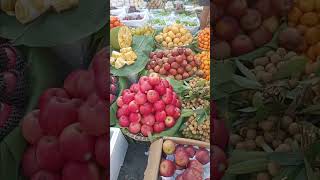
column 134, row 163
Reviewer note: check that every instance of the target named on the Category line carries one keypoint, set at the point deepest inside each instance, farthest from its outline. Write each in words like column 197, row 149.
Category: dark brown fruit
column 242, row 44
column 261, row 36
column 227, row 28
column 237, row 8
column 251, row 20
column 221, row 50
column 290, row 38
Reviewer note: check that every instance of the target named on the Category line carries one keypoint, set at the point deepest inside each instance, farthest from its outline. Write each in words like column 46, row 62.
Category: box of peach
column 173, row 158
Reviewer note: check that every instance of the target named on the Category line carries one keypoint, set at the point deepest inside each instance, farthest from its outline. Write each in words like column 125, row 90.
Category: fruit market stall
column 53, row 83
column 160, row 68
column 266, row 90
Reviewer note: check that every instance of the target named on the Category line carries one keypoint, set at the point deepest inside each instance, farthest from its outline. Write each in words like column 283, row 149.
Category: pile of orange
column 205, row 63
column 115, row 22
column 305, row 16
column 204, row 39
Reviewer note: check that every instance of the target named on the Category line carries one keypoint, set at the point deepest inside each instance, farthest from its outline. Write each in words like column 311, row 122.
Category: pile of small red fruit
column 67, row 134
column 179, row 63
column 12, row 89
column 113, row 89
column 188, row 159
column 148, row 106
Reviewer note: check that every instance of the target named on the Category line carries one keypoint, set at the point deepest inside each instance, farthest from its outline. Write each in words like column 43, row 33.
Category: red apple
column 154, row 79
column 10, row 81
column 76, row 144
column 195, row 164
column 167, row 168
column 99, row 64
column 158, row 127
column 242, row 44
column 85, row 84
column 179, row 177
column 80, row 171
column 101, row 151
column 237, row 8
column 45, row 175
column 31, row 130
column 29, row 162
column 5, row 111
column 190, row 150
column 202, row 155
column 134, row 127
column 70, row 83
column 57, row 114
column 181, row 158
column 169, row 121
column 48, row 154
column 219, row 162
column 192, row 174
column 146, row 130
column 52, row 92
column 93, row 116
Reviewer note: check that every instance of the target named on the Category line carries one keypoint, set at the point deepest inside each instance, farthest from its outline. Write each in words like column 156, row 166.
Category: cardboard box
column 118, row 150
column 155, row 152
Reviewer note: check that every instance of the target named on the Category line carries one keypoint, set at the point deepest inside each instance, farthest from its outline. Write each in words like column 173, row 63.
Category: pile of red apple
column 113, row 89
column 244, row 25
column 148, row 106
column 178, row 63
column 67, row 133
column 189, row 161
column 12, row 88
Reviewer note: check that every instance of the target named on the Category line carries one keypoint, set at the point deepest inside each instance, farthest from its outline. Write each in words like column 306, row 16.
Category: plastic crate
column 118, row 149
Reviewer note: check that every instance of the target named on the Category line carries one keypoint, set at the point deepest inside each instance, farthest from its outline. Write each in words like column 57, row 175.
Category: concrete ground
column 135, row 162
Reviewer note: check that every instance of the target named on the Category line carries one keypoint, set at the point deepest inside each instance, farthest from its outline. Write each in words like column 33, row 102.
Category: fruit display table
column 160, row 74
column 53, row 80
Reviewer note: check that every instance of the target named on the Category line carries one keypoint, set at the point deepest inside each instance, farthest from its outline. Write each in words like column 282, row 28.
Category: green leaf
column 222, row 72
column 11, row 151
column 293, row 66
column 301, row 175
column 142, row 45
column 257, row 99
column 248, row 110
column 312, row 109
column 43, row 63
column 309, row 171
column 178, row 86
column 249, row 166
column 238, row 156
column 245, row 71
column 245, row 82
column 288, row 173
column 52, row 29
column 286, row 159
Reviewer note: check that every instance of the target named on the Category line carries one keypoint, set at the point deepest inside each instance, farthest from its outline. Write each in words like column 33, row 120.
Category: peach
column 181, row 158
column 195, row 164
column 167, row 168
column 192, row 174
column 31, row 130
column 29, row 162
column 45, row 175
column 227, row 28
column 202, row 155
column 101, row 151
column 290, row 38
column 190, row 150
column 261, row 36
column 251, row 20
column 168, row 147
column 76, row 170
column 264, row 7
column 48, row 154
column 76, row 144
column 242, row 44
column 237, row 8
column 221, row 50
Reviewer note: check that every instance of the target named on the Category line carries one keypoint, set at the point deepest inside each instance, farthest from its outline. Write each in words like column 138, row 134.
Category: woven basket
column 20, row 62
column 12, row 122
column 137, row 137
